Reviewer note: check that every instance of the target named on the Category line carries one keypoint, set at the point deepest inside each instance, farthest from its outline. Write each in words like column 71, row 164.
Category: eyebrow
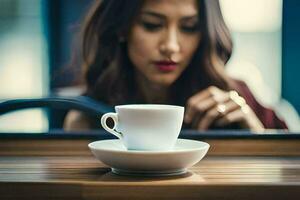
column 161, row 16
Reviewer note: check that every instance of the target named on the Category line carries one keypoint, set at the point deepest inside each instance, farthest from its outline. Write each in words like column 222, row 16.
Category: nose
column 170, row 43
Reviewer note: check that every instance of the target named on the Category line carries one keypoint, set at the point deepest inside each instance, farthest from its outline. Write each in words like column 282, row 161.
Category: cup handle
column 114, row 117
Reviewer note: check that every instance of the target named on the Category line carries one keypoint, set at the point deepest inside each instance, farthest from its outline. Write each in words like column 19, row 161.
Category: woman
column 166, row 52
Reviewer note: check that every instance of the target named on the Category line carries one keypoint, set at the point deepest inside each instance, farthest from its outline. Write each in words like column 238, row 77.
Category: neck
column 150, row 92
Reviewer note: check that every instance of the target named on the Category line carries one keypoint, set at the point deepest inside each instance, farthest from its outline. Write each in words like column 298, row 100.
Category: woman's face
column 163, row 39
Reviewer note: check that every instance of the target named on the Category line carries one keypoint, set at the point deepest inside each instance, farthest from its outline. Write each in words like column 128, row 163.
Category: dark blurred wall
column 291, row 52
column 62, row 22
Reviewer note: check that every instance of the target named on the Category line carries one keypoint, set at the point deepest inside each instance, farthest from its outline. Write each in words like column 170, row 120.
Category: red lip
column 166, row 66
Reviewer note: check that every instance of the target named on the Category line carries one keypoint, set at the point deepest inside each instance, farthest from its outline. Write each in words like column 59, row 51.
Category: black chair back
column 57, row 107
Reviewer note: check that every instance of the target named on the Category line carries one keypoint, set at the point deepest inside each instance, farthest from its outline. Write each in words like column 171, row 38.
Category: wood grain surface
column 237, row 147
column 84, row 177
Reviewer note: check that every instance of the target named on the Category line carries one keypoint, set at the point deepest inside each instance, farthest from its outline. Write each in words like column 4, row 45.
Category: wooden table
column 83, row 177
column 49, row 169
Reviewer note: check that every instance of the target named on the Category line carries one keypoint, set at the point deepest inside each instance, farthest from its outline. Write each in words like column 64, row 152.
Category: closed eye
column 151, row 26
column 190, row 29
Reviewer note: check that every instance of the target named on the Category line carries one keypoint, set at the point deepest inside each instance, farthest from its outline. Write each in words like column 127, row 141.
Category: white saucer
column 185, row 154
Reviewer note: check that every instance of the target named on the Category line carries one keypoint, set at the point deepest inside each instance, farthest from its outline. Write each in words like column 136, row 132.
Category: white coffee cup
column 149, row 127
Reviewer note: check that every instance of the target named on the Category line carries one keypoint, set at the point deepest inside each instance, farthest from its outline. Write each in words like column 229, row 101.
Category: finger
column 204, row 101
column 215, row 113
column 200, row 110
column 236, row 102
column 193, row 104
column 195, row 122
column 236, row 115
column 203, row 108
column 208, row 119
column 234, row 96
column 229, row 107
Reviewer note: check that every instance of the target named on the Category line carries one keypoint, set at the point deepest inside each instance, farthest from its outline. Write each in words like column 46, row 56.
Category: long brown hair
column 109, row 73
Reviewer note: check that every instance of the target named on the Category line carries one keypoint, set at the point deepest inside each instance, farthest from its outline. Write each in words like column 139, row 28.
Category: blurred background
column 37, row 41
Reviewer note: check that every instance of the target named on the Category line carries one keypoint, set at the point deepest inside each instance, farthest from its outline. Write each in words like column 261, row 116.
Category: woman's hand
column 215, row 106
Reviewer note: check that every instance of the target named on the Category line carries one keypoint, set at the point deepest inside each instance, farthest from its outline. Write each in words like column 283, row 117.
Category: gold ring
column 240, row 101
column 234, row 96
column 221, row 108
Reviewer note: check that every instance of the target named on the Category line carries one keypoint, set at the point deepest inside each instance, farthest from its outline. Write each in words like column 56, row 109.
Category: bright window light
column 252, row 15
